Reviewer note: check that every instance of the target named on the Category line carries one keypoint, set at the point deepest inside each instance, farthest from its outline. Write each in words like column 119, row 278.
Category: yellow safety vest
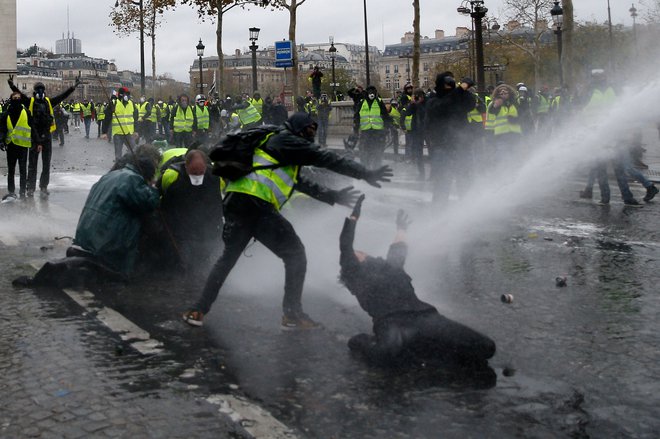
column 50, row 109
column 272, row 185
column 503, row 124
column 544, row 105
column 152, row 116
column 100, row 112
column 21, row 134
column 395, row 116
column 249, row 115
column 370, row 118
column 86, row 109
column 202, row 114
column 474, row 116
column 183, row 120
column 258, row 104
column 123, row 121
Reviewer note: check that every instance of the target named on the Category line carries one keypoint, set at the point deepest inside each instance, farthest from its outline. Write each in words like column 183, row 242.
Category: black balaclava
column 444, row 78
column 298, row 122
column 39, row 90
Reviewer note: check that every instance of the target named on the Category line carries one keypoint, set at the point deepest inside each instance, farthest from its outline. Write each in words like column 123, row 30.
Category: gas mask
column 196, row 180
column 142, row 100
column 371, row 96
column 39, row 93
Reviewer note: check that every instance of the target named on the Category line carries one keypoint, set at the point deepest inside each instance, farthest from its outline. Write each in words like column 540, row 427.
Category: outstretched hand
column 382, row 174
column 347, row 196
column 357, row 209
column 77, row 81
column 402, row 220
column 10, row 80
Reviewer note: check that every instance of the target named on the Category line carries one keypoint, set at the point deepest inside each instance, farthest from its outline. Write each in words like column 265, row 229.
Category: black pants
column 247, row 217
column 417, row 152
column 423, row 336
column 60, row 126
column 15, row 154
column 33, row 164
column 372, row 145
column 182, row 139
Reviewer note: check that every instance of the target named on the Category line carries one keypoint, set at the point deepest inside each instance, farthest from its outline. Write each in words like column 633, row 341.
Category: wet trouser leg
column 33, row 164
column 46, row 155
column 634, row 173
column 13, row 153
column 600, row 172
column 98, row 129
column 425, row 335
column 417, row 154
column 88, row 124
column 119, row 140
column 621, row 180
column 244, row 220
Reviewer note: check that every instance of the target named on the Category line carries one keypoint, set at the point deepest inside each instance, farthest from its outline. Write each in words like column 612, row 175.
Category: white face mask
column 142, row 100
column 125, row 98
column 372, row 96
column 196, row 180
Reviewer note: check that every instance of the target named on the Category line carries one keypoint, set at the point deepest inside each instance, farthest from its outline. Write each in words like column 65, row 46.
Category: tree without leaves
column 530, row 13
column 215, row 10
column 568, row 29
column 125, row 20
column 292, row 7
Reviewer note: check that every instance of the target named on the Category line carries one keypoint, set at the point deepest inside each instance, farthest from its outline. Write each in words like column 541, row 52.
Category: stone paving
column 63, row 375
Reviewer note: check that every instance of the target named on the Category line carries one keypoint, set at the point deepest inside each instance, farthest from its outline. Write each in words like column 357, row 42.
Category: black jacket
column 290, row 149
column 13, row 116
column 381, row 286
column 446, row 116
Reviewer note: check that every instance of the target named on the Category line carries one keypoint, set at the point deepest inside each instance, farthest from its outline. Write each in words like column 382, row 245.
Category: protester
column 404, row 326
column 16, row 137
column 252, row 206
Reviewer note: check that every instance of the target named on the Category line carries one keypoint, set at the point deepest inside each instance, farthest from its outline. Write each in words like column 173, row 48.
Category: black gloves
column 347, row 196
column 402, row 220
column 77, row 81
column 373, row 177
column 357, row 209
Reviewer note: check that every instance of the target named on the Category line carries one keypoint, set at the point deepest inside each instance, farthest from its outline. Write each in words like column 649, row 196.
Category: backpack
column 233, row 157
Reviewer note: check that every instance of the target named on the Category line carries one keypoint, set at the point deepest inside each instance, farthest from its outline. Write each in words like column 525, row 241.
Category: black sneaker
column 633, row 203
column 651, row 192
column 604, row 203
column 299, row 321
column 10, row 197
column 586, row 194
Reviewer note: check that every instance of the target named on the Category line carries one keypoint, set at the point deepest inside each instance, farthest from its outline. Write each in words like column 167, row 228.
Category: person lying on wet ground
column 404, row 326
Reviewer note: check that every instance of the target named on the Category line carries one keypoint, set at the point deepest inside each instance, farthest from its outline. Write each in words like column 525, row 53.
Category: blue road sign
column 283, row 51
column 287, row 63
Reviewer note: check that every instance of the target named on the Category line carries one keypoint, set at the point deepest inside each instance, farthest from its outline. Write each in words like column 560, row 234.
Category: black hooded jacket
column 446, row 114
column 289, row 148
column 381, row 286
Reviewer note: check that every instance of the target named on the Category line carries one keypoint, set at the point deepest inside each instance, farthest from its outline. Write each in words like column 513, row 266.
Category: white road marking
column 256, row 421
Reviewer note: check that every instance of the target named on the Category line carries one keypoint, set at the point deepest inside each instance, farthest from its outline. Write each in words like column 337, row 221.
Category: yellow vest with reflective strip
column 21, row 134
column 474, row 116
column 122, row 118
column 395, row 116
column 370, row 118
column 153, row 116
column 100, row 112
column 202, row 114
column 502, row 123
column 86, row 109
column 272, row 185
column 50, row 109
column 544, row 105
column 183, row 120
column 249, row 115
column 258, row 104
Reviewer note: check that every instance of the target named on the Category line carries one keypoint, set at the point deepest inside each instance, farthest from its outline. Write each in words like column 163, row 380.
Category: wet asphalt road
column 580, row 361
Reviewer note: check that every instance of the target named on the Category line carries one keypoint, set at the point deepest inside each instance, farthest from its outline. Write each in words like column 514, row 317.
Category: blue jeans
column 88, row 122
column 632, row 171
column 599, row 172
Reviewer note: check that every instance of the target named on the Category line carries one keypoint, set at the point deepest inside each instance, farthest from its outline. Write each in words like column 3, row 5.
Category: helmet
column 199, row 98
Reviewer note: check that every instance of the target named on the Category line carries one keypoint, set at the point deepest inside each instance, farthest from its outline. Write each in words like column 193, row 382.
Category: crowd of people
column 173, row 194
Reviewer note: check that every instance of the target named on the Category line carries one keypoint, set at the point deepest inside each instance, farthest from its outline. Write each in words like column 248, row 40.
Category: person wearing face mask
column 182, row 119
column 16, row 136
column 405, row 328
column 191, row 203
column 40, row 108
column 252, row 210
column 371, row 120
column 87, row 113
column 122, row 116
column 201, row 120
column 146, row 119
column 405, row 119
column 447, row 134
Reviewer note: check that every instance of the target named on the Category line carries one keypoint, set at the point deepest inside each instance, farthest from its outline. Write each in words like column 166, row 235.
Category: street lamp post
column 333, row 55
column 200, row 54
column 139, row 4
column 366, row 44
column 557, row 14
column 254, row 36
column 477, row 11
column 633, row 14
column 609, row 26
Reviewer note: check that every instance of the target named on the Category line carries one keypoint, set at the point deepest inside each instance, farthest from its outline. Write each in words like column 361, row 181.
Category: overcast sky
column 43, row 21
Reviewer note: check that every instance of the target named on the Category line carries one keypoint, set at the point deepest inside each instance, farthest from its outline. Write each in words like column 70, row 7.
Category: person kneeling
column 404, row 326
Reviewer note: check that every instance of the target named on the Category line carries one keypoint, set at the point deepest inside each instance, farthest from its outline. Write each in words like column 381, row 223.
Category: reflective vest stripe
column 502, row 124
column 408, row 122
column 50, row 108
column 370, row 118
column 249, row 115
column 272, row 185
column 258, row 104
column 183, row 120
column 152, row 116
column 21, row 134
column 202, row 118
column 86, row 110
column 123, row 118
column 544, row 105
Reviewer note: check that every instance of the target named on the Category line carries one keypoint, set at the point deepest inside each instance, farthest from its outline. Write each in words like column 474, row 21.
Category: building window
column 24, row 86
column 426, row 81
column 387, row 69
column 426, row 67
column 70, row 63
column 396, row 68
column 388, row 83
column 396, row 84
